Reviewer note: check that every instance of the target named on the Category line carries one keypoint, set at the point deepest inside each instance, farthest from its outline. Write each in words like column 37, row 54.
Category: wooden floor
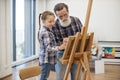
column 112, row 72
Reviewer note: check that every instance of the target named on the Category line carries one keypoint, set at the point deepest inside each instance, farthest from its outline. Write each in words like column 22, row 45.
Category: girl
column 48, row 46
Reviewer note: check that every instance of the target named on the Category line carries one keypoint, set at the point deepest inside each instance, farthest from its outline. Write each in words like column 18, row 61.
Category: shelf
column 111, row 61
column 104, row 45
column 109, row 43
column 106, row 48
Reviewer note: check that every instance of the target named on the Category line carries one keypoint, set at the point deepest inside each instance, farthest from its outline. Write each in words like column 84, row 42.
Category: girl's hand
column 62, row 46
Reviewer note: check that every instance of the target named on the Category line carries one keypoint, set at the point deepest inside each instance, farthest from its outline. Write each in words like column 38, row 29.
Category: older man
column 65, row 26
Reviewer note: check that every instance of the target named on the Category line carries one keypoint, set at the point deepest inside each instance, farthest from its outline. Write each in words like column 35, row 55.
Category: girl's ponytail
column 39, row 27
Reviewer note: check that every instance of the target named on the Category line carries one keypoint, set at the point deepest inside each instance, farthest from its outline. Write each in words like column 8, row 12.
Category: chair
column 29, row 72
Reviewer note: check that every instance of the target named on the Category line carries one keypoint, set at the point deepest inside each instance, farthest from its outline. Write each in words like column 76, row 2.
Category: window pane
column 23, row 29
column 19, row 29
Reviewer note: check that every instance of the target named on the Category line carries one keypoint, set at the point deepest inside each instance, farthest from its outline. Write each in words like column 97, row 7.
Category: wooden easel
column 78, row 50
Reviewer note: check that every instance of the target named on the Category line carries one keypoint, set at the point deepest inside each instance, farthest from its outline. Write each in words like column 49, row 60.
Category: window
column 23, row 22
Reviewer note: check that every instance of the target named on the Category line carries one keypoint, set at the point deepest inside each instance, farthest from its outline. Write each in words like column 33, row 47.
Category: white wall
column 5, row 38
column 104, row 20
column 40, row 7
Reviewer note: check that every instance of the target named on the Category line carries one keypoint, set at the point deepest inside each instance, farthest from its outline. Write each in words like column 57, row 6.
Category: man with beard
column 65, row 26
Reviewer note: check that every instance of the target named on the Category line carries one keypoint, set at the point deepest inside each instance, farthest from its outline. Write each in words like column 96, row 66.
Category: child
column 48, row 46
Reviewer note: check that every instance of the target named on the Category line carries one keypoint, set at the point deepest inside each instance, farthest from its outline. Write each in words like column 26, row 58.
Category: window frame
column 29, row 29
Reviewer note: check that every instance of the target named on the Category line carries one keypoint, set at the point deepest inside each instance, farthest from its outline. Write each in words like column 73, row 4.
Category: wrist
column 58, row 47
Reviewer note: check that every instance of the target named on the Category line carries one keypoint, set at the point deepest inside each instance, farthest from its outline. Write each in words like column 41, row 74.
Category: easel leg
column 78, row 72
column 88, row 74
column 67, row 71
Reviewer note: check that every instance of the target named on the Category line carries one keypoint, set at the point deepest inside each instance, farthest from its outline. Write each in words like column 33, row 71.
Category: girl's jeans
column 46, row 68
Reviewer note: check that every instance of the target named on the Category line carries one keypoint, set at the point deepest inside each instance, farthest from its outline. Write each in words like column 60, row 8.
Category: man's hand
column 65, row 40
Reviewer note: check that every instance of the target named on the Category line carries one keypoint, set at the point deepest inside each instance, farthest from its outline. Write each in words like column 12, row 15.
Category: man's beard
column 65, row 23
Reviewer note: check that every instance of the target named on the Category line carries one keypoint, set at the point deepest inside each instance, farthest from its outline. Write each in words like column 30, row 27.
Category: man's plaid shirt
column 63, row 32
